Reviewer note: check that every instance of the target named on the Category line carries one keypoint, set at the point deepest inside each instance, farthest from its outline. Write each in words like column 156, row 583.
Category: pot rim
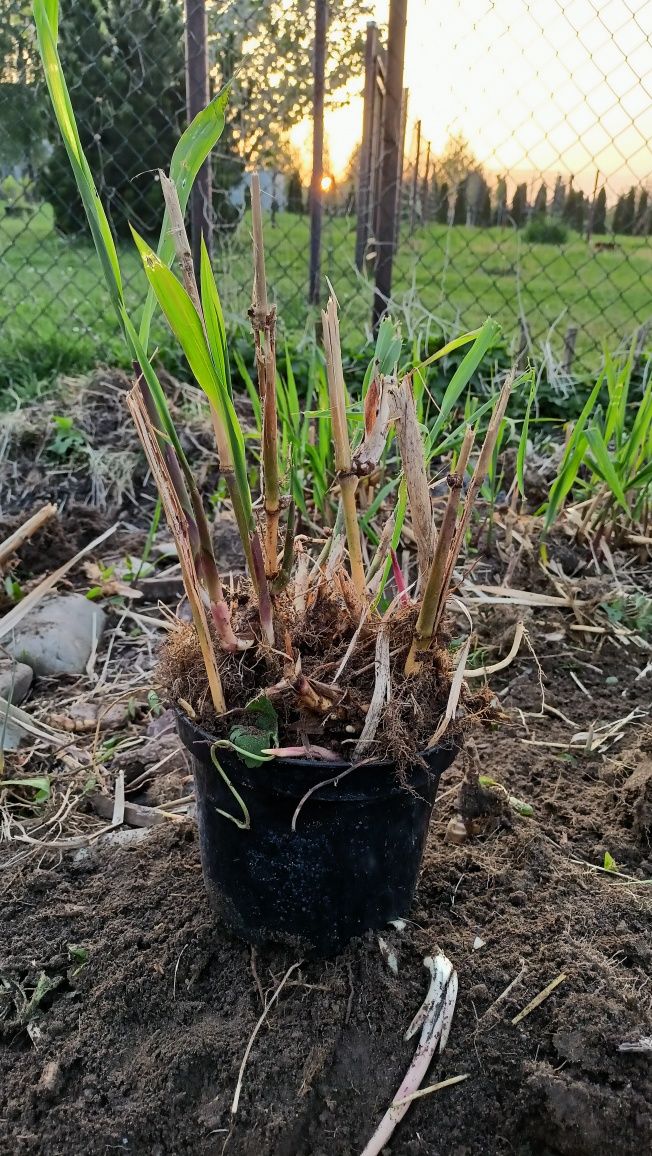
column 453, row 743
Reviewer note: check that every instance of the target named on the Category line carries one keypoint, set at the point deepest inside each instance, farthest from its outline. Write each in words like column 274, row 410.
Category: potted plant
column 318, row 694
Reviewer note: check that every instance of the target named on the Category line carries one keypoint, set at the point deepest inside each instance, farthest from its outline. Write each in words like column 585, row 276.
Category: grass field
column 55, row 316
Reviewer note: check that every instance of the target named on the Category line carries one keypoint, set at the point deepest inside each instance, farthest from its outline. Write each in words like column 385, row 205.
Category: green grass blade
column 605, row 468
column 399, row 516
column 192, row 148
column 522, row 444
column 166, row 428
column 214, row 321
column 389, row 344
column 453, row 440
column 640, row 434
column 641, row 481
column 370, row 513
column 571, row 461
column 293, row 404
column 46, row 18
column 451, row 346
column 250, row 387
column 464, row 372
column 187, row 328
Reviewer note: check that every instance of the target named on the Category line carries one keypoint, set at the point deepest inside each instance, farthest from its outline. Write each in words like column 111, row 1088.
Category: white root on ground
column 436, row 1016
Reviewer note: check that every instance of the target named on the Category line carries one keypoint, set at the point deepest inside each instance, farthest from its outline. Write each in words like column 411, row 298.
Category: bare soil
column 139, row 1050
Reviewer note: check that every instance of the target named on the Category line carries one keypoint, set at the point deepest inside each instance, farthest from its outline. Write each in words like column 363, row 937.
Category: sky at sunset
column 526, row 83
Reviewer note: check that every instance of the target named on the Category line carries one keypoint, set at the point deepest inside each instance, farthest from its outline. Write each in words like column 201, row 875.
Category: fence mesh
column 523, row 191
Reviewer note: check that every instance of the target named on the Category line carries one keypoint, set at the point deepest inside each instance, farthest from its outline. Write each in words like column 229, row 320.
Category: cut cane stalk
column 177, row 521
column 346, row 477
column 263, row 320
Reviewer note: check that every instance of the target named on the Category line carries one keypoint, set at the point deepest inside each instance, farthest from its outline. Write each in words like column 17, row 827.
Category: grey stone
column 56, row 637
column 15, row 680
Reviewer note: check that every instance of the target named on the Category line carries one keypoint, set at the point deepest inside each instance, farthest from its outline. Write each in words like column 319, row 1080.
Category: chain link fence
column 522, row 188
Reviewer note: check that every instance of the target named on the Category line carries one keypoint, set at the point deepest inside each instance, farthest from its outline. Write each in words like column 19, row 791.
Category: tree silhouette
column 558, row 198
column 519, row 206
column 540, row 202
column 625, row 214
column 460, row 208
column 500, row 214
column 295, row 193
column 600, row 213
column 441, row 209
column 642, row 227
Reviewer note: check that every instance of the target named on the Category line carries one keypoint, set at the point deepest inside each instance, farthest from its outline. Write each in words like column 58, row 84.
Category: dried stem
column 283, row 577
column 263, row 320
column 423, row 630
column 179, row 238
column 479, row 474
column 199, row 535
column 178, row 523
column 28, row 528
column 384, row 546
column 265, row 610
column 346, row 477
column 410, row 442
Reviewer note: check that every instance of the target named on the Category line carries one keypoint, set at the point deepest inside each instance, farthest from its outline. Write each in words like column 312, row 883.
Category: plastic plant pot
column 346, row 863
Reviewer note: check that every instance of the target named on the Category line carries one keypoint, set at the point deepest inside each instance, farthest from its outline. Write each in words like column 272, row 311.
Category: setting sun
column 584, row 107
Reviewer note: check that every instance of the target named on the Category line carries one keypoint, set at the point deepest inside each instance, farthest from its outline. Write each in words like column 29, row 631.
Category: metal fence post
column 197, row 97
column 390, row 158
column 316, row 203
column 569, row 348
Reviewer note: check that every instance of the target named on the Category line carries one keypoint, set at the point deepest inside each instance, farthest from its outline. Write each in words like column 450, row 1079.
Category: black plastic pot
column 351, row 864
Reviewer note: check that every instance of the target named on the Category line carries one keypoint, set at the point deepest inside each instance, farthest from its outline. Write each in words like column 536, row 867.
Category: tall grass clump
column 604, row 481
column 323, row 645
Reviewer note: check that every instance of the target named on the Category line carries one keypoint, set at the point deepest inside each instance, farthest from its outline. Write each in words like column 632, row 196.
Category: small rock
column 456, row 831
column 15, row 680
column 125, row 837
column 611, row 680
column 478, row 943
column 56, row 637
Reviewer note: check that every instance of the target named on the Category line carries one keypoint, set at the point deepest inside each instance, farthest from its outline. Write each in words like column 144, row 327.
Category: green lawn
column 55, row 315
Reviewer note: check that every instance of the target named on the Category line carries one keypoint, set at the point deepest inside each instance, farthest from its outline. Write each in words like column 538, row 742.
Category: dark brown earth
column 139, row 1050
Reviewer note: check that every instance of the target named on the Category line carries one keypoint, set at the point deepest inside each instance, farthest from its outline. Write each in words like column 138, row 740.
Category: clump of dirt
column 313, row 707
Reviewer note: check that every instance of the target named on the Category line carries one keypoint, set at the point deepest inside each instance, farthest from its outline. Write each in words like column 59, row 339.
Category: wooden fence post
column 316, row 199
column 197, row 97
column 390, row 158
column 363, row 206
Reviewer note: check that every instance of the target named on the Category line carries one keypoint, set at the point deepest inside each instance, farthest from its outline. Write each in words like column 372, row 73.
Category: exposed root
column 298, row 676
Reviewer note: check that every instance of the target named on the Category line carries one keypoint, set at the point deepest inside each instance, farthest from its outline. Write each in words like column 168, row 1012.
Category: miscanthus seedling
column 322, row 647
